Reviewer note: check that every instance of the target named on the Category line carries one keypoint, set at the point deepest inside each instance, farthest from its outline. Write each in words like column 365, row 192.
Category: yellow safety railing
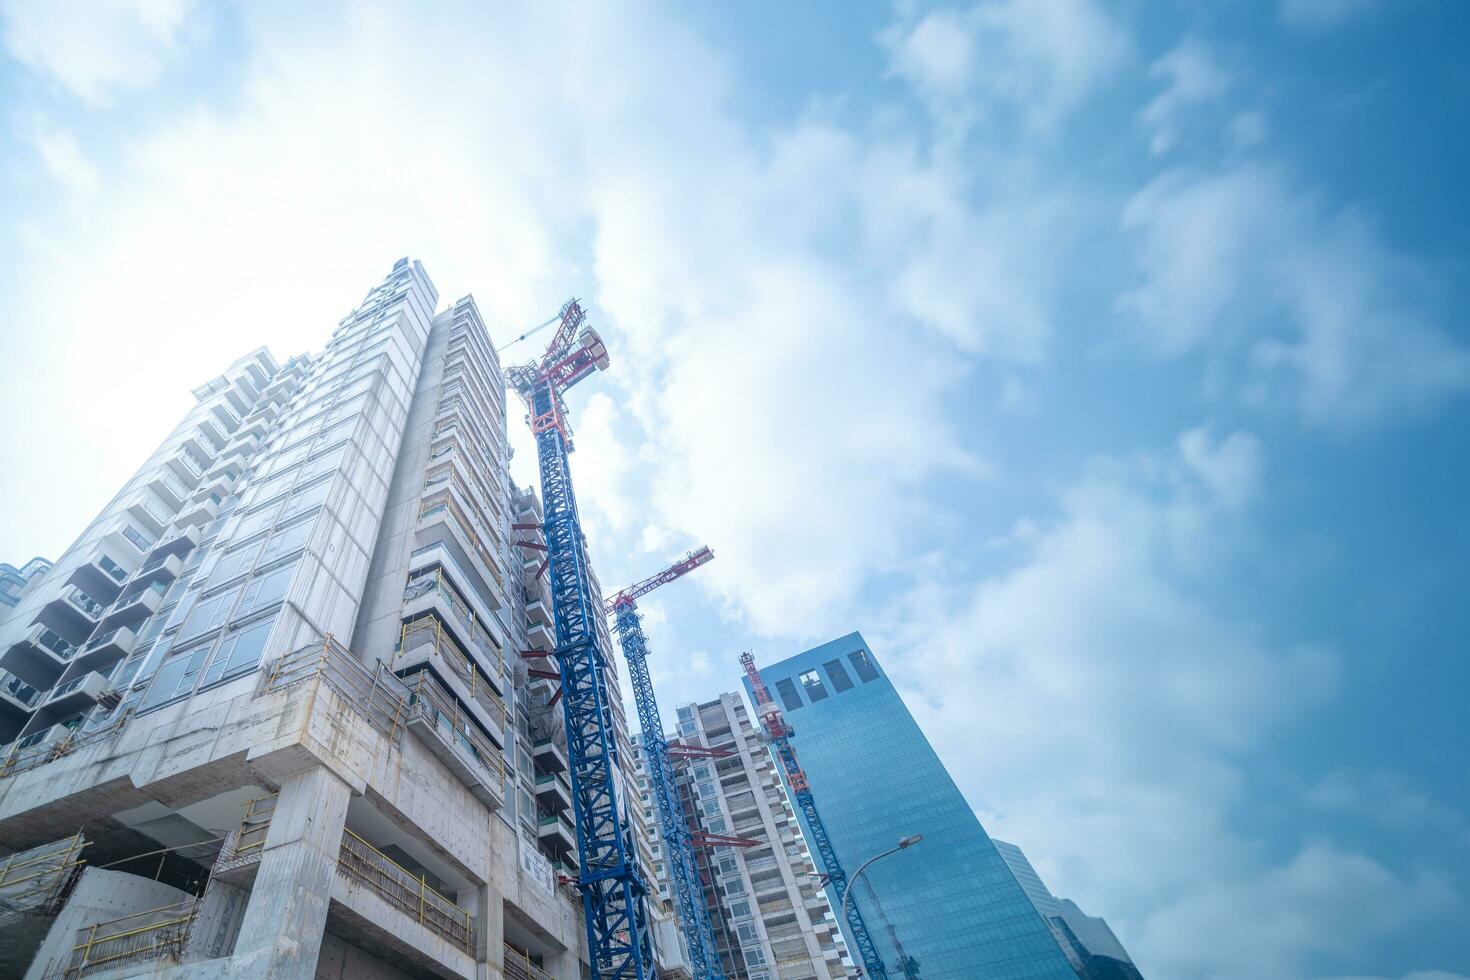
column 375, row 692
column 409, row 893
column 429, row 630
column 39, row 877
column 439, row 706
column 443, row 501
column 518, row 966
column 150, row 935
column 473, row 625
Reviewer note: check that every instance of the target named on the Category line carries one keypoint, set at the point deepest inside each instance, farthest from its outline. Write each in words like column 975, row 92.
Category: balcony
column 224, row 473
column 127, row 942
column 107, row 648
column 214, row 433
column 538, row 614
column 160, row 568
column 198, row 512
column 553, row 791
column 188, row 466
column 101, row 577
column 170, row 489
column 39, row 656
column 557, row 831
column 77, row 694
column 134, row 607
column 518, row 966
column 241, row 449
column 425, row 642
column 549, row 756
column 17, row 693
column 438, row 720
column 75, row 608
column 227, row 418
column 149, row 514
column 541, row 637
column 436, row 594
column 364, row 864
column 180, row 542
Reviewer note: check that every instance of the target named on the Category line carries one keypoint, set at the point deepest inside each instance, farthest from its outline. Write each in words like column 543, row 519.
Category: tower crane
column 614, row 895
column 779, row 733
column 699, row 936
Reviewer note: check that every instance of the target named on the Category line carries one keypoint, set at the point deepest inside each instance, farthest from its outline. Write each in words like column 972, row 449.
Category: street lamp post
column 851, row 882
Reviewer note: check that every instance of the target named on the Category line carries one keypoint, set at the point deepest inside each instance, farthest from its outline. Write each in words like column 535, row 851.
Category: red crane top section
column 775, row 722
column 575, row 352
column 678, row 569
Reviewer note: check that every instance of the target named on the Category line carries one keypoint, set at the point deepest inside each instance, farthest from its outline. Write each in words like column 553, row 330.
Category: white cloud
column 1042, row 58
column 63, row 158
column 1388, row 800
column 1333, row 323
column 1319, row 14
column 1191, row 76
column 95, row 48
column 1118, row 712
column 1230, row 468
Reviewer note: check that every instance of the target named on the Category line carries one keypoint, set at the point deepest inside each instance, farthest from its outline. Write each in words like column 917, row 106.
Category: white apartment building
column 770, row 914
column 276, row 711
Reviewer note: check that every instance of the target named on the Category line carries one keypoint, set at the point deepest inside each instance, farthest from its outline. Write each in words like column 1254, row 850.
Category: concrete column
column 488, row 907
column 281, row 935
column 564, row 965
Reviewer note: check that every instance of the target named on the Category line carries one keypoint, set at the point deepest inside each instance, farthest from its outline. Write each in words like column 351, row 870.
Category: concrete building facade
column 771, row 918
column 290, row 687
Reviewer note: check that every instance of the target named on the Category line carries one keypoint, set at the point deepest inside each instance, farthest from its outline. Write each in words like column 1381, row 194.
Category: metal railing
column 443, row 501
column 375, row 692
column 33, row 751
column 405, row 891
column 474, row 624
column 518, row 966
column 431, row 700
column 49, row 639
column 155, row 934
column 20, row 690
column 428, row 630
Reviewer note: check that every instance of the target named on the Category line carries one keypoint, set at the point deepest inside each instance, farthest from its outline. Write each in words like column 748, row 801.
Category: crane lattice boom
column 614, row 895
column 699, row 938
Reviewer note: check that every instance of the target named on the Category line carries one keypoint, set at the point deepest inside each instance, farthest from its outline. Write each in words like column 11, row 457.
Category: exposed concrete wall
column 340, row 960
column 99, row 896
column 218, row 924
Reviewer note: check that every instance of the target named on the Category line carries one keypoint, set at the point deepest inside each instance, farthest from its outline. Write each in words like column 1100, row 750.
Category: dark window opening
column 840, row 681
column 863, row 666
column 789, row 697
column 813, row 684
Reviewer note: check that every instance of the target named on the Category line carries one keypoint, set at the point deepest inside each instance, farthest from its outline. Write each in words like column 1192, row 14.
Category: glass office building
column 946, row 909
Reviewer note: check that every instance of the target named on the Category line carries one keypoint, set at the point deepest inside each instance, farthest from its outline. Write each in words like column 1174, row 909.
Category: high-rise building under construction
column 947, row 908
column 283, row 708
column 771, row 918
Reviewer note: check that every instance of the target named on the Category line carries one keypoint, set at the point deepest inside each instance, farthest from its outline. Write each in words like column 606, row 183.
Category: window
column 265, row 589
column 813, row 684
column 863, row 666
column 206, row 614
column 232, row 565
column 239, row 653
column 739, row 910
column 789, row 697
column 176, row 677
column 840, row 681
column 304, row 500
column 286, row 541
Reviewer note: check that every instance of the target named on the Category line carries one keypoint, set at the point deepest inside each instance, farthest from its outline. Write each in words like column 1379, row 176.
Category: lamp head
column 910, row 841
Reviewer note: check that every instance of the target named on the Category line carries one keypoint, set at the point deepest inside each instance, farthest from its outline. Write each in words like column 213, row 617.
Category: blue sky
column 1106, row 364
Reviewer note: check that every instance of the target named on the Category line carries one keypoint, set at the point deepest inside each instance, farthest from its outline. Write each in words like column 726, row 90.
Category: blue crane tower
column 614, row 895
column 699, row 937
column 779, row 735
